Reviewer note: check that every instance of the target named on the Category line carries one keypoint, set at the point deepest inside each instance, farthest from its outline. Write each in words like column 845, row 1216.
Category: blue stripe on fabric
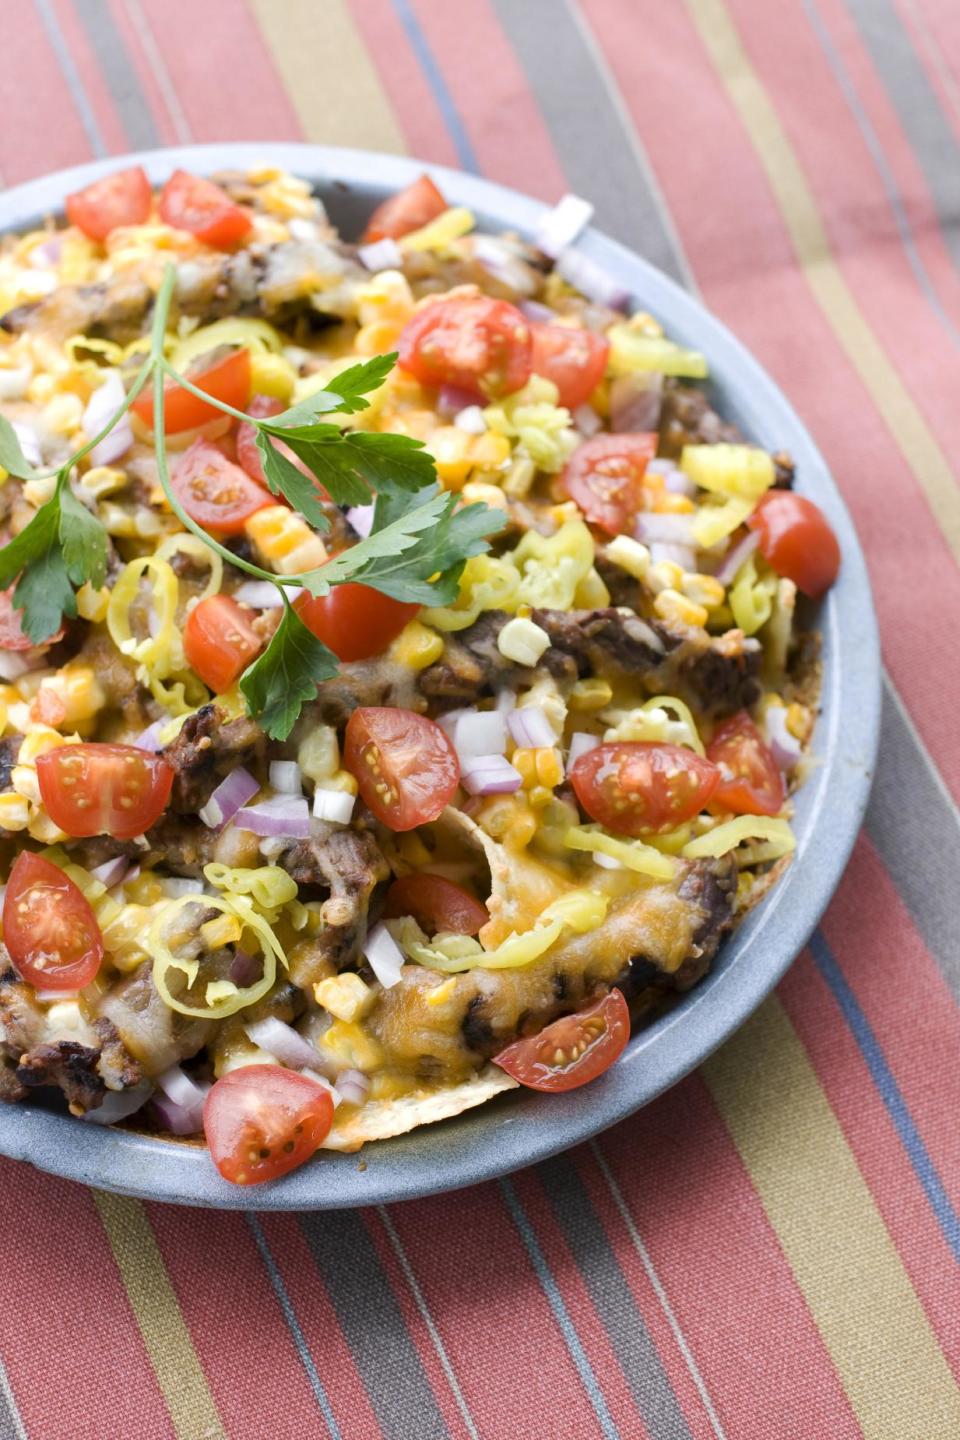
column 289, row 1314
column 434, row 75
column 889, row 1091
column 560, row 1312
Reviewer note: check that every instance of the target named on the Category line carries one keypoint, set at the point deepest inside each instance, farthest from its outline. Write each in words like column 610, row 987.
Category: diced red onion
column 784, row 745
column 149, row 739
column 479, row 732
column 635, row 404
column 226, row 800
column 470, row 420
column 245, row 969
column 14, row 663
column 322, row 1081
column 361, row 518
column 53, row 997
column 448, row 722
column 683, row 555
column 13, row 383
column 490, row 775
column 175, row 887
column 587, row 420
column 29, row 443
column 506, row 701
column 47, row 252
column 561, row 227
column 287, row 817
column 101, row 407
column 303, row 230
column 261, row 595
column 120, row 1104
column 679, row 484
column 666, row 529
column 580, row 744
column 537, row 313
column 111, row 872
column 384, row 956
column 177, row 1085
column 501, row 261
column 451, row 399
column 381, row 255
column 179, row 1119
column 736, row 556
column 530, row 727
column 591, row 280
column 285, row 777
column 333, row 805
column 281, row 1040
column 353, row 1087
column 606, row 862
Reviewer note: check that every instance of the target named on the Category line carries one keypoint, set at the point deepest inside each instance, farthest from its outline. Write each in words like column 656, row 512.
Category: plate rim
column 519, row 1130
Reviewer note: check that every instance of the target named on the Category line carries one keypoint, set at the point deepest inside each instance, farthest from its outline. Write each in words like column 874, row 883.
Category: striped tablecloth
column 770, row 1251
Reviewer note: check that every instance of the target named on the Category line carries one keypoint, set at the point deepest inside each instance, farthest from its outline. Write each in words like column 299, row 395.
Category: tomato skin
column 405, row 766
column 48, row 927
column 605, row 478
column 264, row 1107
column 413, row 206
column 219, row 641
column 189, row 202
column 797, row 541
column 575, row 360
column 471, row 341
column 756, row 785
column 215, row 492
column 355, row 621
column 123, row 198
column 227, row 380
column 262, row 406
column 99, row 789
column 663, row 786
column 439, row 906
column 599, row 1033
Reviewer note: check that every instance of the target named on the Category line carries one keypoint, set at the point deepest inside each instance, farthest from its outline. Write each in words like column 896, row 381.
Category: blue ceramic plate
column 522, row 1127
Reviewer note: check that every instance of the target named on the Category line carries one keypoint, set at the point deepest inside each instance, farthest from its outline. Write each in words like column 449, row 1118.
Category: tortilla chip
column 381, row 1119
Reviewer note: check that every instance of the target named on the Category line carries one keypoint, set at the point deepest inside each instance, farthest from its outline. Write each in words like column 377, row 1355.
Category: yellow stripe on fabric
column 841, row 1254
column 157, row 1311
column 808, row 234
column 328, row 74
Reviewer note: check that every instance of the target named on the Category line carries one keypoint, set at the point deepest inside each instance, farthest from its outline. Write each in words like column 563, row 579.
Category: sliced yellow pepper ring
column 185, row 544
column 221, row 1002
column 631, row 853
column 731, row 833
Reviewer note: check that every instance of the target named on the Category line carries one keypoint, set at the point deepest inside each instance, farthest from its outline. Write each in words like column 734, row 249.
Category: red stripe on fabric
column 506, row 129
column 590, row 1330
column 227, row 84
column 416, row 1326
column 69, row 1339
column 738, row 247
column 235, row 1323
column 30, row 70
column 403, row 81
column 144, row 71
column 871, row 1135
column 494, row 1320
column 320, row 1327
column 734, row 1295
column 91, row 78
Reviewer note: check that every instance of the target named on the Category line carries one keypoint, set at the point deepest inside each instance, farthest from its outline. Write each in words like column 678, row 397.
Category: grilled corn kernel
column 522, row 641
column 347, row 1045
column 285, row 540
column 412, row 849
column 92, row 604
column 665, row 575
column 542, row 766
column 318, row 753
column 377, row 338
column 670, row 605
column 669, row 504
column 482, row 492
column 223, row 930
column 799, row 720
column 630, row 555
column 703, row 590
column 62, row 413
column 508, row 818
column 591, row 593
column 443, row 992
column 540, row 796
column 450, row 449
column 271, row 375
column 42, row 828
column 77, row 692
column 520, row 477
column 38, row 492
column 345, row 996
column 101, row 480
column 591, row 694
column 417, row 646
column 489, row 451
column 38, row 742
column 14, row 812
column 340, row 780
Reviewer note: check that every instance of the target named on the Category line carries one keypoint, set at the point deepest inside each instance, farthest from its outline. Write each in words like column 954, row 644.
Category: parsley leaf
column 45, row 594
column 284, row 478
column 344, row 393
column 12, row 457
column 286, row 675
column 349, row 465
column 428, row 572
column 83, row 540
column 392, row 540
column 63, row 542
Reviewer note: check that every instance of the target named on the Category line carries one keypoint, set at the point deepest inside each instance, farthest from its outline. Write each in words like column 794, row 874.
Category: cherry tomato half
column 471, row 341
column 188, row 202
column 409, row 209
column 120, row 199
column 405, row 766
column 227, row 379
column 262, row 406
column 605, row 477
column 96, row 789
column 796, row 539
column 262, row 1121
column 219, row 641
column 750, row 779
column 439, row 906
column 573, row 359
column 355, row 621
column 636, row 787
column 215, row 492
column 49, row 929
column 572, row 1050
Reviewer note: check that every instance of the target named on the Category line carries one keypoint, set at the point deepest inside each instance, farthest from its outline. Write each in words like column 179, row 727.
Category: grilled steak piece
column 207, row 747
column 349, row 865
column 154, row 1036
column 9, row 750
column 687, row 418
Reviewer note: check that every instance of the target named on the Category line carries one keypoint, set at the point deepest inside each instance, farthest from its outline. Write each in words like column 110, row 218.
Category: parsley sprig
column 418, row 544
